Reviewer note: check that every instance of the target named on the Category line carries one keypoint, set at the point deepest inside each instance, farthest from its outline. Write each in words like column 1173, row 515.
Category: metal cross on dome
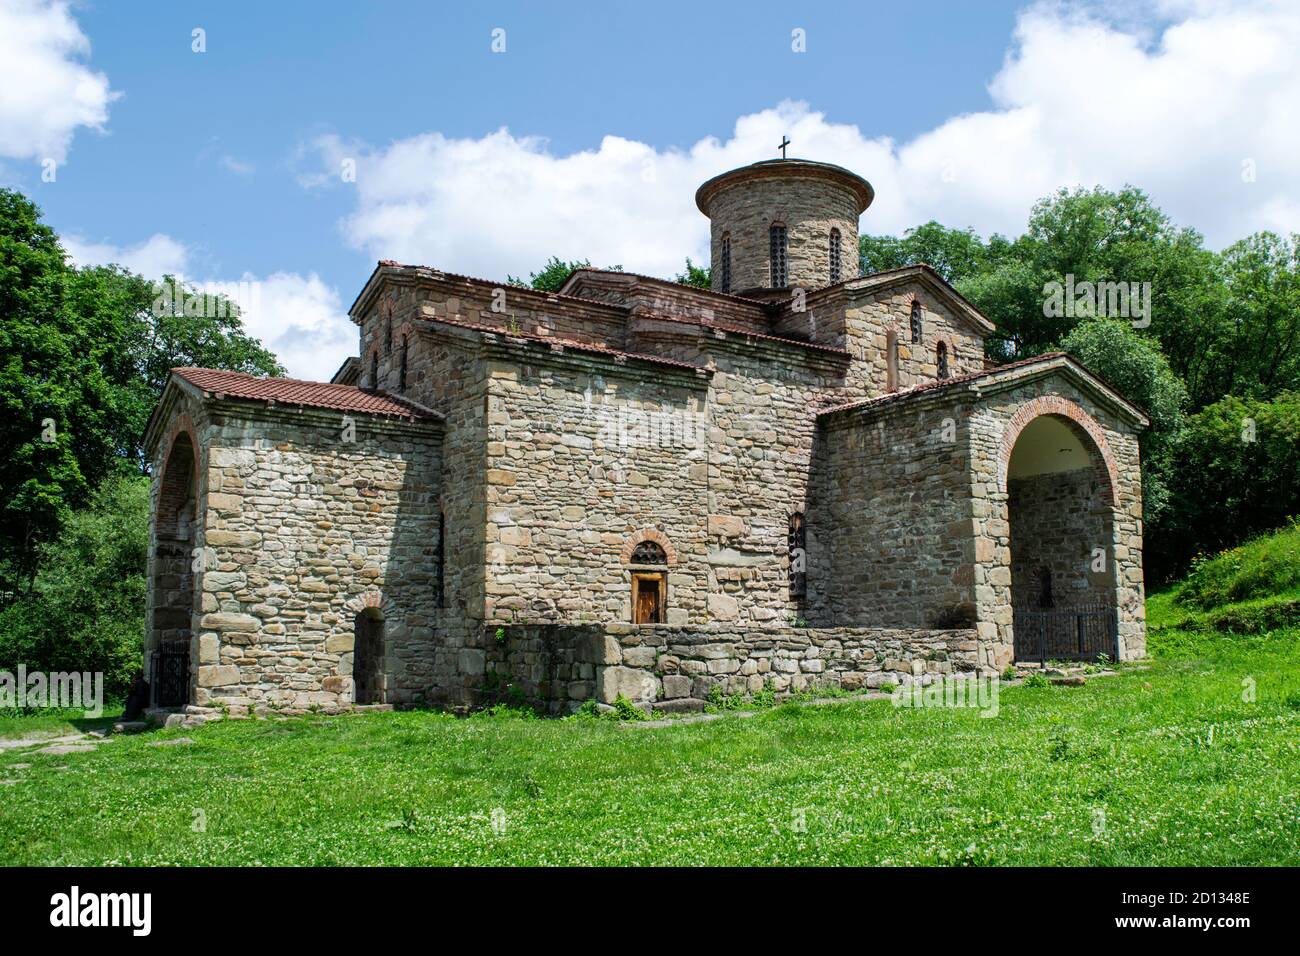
column 784, row 143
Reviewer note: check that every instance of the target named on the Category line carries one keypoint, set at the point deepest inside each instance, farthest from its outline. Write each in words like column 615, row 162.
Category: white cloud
column 46, row 92
column 156, row 256
column 237, row 166
column 302, row 319
column 1080, row 100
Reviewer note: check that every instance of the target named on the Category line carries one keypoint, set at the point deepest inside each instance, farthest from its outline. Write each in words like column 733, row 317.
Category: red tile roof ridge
column 293, row 391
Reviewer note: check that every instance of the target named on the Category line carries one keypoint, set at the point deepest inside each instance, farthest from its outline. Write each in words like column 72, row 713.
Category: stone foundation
column 558, row 667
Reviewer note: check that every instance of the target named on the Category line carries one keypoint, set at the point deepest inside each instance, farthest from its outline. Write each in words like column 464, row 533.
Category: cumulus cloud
column 156, row 256
column 1200, row 112
column 46, row 91
column 302, row 319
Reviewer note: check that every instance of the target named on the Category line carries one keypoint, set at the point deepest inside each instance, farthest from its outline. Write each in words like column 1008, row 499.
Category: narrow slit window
column 374, row 369
column 891, row 358
column 725, row 262
column 941, row 359
column 777, row 253
column 798, row 541
column 835, row 256
column 440, row 559
column 401, row 367
column 916, row 321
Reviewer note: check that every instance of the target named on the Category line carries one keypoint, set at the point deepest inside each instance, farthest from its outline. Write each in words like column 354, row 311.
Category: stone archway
column 1061, row 497
column 172, row 578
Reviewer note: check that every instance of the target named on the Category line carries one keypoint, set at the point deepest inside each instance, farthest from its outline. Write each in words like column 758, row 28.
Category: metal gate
column 1080, row 633
column 169, row 676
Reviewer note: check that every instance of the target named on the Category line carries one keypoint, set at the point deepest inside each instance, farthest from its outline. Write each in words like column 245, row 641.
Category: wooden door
column 647, row 598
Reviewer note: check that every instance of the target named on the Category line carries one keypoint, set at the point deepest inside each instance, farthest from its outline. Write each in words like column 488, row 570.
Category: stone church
column 630, row 487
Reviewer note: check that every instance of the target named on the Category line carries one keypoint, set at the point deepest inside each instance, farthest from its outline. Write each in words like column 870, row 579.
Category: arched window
column 835, row 256
column 649, row 552
column 891, row 360
column 388, row 332
column 916, row 321
column 777, row 248
column 941, row 359
column 798, row 540
column 401, row 368
column 724, row 262
column 374, row 369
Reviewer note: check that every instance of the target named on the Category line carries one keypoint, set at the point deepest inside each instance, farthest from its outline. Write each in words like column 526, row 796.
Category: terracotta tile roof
column 289, row 391
column 939, row 384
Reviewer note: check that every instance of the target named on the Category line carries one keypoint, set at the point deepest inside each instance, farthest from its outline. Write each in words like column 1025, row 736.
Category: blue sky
column 586, row 137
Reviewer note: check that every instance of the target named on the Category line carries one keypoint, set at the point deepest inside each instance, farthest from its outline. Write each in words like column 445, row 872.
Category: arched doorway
column 172, row 582
column 368, row 657
column 1060, row 509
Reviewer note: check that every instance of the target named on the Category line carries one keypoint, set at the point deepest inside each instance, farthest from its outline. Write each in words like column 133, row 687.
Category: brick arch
column 370, row 600
column 180, row 424
column 649, row 534
column 1084, row 426
column 175, row 489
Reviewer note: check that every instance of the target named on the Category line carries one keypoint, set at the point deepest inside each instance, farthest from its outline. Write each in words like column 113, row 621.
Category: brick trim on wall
column 649, row 534
column 1083, row 425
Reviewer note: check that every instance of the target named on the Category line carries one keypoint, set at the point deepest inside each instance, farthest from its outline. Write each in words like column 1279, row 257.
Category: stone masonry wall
column 893, row 515
column 559, row 667
column 580, row 458
column 1056, row 521
column 303, row 531
column 809, row 208
column 994, row 425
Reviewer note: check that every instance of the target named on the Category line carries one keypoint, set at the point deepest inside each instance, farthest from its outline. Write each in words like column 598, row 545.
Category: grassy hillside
column 1192, row 759
column 1238, row 597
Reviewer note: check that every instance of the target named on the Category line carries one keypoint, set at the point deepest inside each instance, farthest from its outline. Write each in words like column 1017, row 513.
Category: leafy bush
column 623, row 709
column 85, row 611
column 1237, row 475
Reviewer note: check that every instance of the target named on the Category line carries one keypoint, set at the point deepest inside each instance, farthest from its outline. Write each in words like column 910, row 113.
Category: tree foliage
column 85, row 608
column 555, row 273
column 1237, row 474
column 695, row 276
column 1139, row 371
column 84, row 354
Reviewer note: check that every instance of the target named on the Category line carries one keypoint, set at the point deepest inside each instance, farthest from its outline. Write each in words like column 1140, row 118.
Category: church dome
column 783, row 223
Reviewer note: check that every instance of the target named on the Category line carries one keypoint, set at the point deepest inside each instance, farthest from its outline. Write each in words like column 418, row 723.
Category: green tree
column 86, row 606
column 1139, row 371
column 554, row 274
column 84, row 354
column 953, row 253
column 1258, row 352
column 1237, row 475
column 696, row 276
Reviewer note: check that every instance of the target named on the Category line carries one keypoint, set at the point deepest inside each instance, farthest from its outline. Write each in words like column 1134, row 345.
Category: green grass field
column 1192, row 760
